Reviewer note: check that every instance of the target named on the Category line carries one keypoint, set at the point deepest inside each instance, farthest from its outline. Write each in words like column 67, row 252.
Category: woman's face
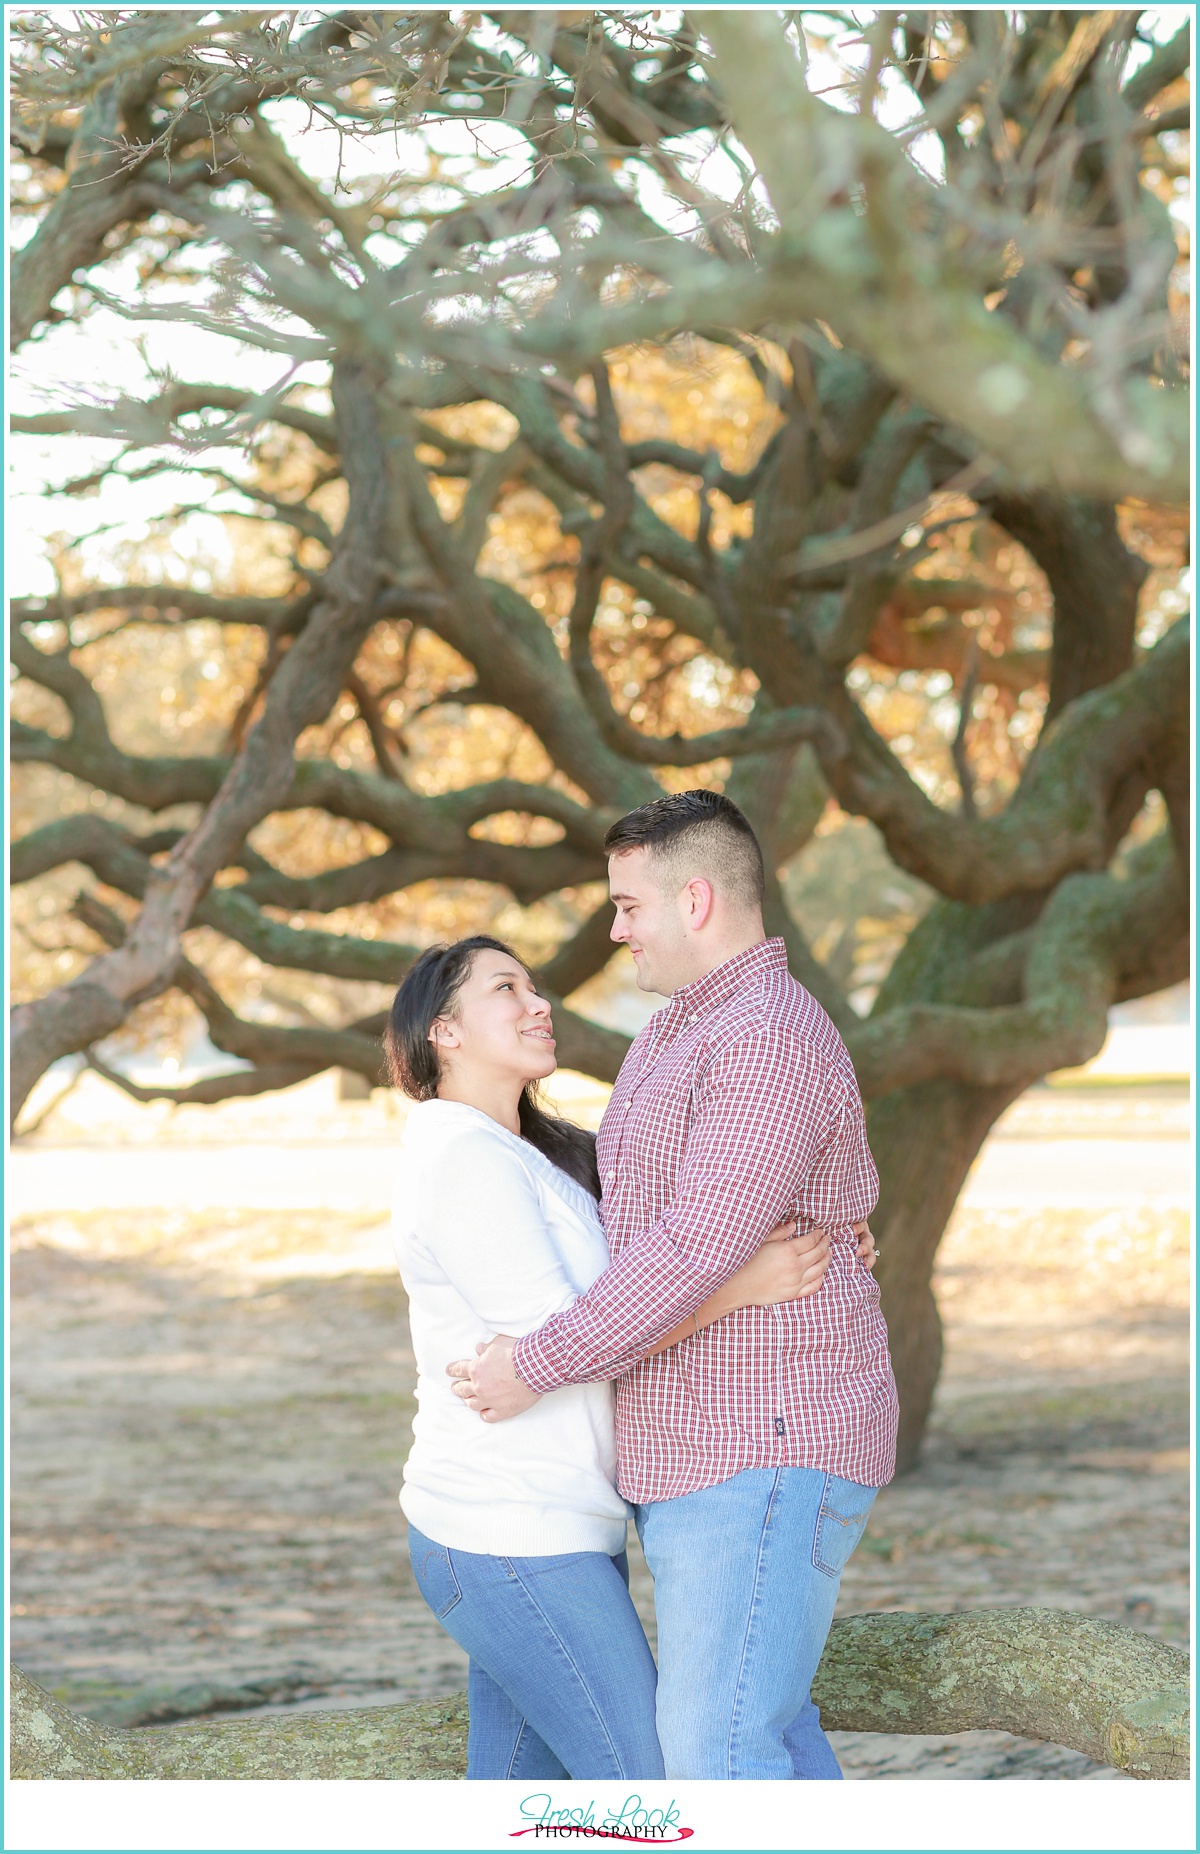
column 498, row 1025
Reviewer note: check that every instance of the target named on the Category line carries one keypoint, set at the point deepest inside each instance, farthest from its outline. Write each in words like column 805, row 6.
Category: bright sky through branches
column 107, row 354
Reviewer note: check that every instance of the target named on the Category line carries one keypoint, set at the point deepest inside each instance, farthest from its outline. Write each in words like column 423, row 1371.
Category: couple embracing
column 706, row 1258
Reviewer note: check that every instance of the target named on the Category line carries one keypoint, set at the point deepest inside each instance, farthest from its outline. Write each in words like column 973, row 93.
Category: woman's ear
column 442, row 1034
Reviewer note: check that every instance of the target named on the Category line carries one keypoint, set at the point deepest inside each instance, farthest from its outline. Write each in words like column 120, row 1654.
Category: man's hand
column 488, row 1384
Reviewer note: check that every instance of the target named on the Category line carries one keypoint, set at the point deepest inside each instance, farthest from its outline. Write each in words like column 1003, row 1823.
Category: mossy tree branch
column 1116, row 1696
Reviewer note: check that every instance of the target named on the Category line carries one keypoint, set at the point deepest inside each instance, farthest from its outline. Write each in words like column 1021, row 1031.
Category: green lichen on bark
column 426, row 1739
column 1117, row 1696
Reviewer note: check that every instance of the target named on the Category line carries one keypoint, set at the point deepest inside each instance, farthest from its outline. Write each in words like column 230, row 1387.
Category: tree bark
column 925, row 1141
column 1117, row 1696
column 71, row 236
column 1095, row 582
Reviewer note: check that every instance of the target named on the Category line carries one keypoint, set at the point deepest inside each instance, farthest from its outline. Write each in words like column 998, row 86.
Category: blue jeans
column 746, row 1576
column 561, row 1679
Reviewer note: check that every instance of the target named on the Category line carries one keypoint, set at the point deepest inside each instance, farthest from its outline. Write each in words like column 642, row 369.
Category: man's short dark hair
column 693, row 834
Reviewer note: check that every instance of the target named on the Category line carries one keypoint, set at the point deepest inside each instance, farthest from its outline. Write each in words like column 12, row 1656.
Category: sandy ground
column 211, row 1411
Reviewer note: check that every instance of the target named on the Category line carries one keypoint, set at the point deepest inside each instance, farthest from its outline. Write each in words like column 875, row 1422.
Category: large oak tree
column 944, row 291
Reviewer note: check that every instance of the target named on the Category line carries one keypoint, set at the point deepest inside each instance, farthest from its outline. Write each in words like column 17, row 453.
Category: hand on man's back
column 789, row 1266
column 868, row 1254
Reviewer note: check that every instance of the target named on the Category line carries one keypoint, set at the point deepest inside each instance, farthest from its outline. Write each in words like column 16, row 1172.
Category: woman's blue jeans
column 561, row 1680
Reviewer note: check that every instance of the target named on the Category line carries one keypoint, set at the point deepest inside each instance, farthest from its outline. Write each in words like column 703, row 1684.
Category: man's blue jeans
column 561, row 1680
column 746, row 1576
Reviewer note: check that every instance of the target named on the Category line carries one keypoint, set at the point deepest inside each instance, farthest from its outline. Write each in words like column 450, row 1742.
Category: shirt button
column 692, row 1016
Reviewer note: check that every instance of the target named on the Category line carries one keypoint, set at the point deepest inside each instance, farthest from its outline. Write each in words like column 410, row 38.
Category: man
column 752, row 1452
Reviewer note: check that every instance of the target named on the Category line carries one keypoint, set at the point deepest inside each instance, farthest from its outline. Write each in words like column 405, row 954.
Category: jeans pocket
column 435, row 1578
column 845, row 1507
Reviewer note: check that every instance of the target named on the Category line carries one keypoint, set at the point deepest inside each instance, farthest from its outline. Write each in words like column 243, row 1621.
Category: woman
column 516, row 1530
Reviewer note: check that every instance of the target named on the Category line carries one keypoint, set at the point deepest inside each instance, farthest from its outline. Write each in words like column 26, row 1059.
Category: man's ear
column 699, row 894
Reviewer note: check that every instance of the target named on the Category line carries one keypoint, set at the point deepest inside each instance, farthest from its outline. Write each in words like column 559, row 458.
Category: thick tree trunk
column 925, row 1141
column 1117, row 1696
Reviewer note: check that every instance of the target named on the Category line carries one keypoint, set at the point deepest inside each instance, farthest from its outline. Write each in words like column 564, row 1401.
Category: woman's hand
column 791, row 1267
column 786, row 1267
column 868, row 1254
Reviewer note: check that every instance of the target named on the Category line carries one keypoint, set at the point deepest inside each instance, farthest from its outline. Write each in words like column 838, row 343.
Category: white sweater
column 492, row 1237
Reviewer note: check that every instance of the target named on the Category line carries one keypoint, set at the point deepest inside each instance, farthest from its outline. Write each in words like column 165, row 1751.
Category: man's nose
column 618, row 931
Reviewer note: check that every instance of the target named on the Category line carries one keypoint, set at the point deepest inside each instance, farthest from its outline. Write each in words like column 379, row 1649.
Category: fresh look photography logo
column 631, row 1820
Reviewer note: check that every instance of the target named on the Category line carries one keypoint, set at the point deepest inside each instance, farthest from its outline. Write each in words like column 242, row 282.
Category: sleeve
column 762, row 1114
column 482, row 1223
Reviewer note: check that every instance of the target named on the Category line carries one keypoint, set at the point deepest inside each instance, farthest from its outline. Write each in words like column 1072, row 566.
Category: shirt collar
column 704, row 994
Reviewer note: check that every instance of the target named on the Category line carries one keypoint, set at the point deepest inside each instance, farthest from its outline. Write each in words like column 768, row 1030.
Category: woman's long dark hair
column 428, row 992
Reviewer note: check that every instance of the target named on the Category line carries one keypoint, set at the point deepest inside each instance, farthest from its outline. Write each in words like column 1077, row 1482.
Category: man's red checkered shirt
column 735, row 1108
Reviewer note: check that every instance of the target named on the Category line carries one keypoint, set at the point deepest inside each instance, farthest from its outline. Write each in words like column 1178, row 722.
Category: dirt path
column 211, row 1411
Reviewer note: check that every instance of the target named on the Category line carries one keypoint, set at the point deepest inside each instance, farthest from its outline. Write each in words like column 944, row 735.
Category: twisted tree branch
column 71, row 1018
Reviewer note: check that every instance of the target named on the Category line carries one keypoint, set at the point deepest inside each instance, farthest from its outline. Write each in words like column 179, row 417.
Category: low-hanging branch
column 235, row 910
column 285, row 1054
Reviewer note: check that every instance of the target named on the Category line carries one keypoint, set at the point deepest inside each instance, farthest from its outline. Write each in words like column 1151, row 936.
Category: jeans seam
column 571, row 1663
column 516, row 1747
column 816, row 1548
column 736, row 1709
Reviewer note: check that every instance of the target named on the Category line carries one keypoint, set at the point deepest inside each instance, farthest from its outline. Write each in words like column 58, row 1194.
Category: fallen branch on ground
column 1117, row 1696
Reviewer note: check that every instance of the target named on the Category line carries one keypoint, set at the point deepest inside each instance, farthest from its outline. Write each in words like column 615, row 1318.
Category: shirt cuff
column 534, row 1363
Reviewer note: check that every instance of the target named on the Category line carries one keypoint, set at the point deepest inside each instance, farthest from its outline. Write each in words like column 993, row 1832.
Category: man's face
column 649, row 922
